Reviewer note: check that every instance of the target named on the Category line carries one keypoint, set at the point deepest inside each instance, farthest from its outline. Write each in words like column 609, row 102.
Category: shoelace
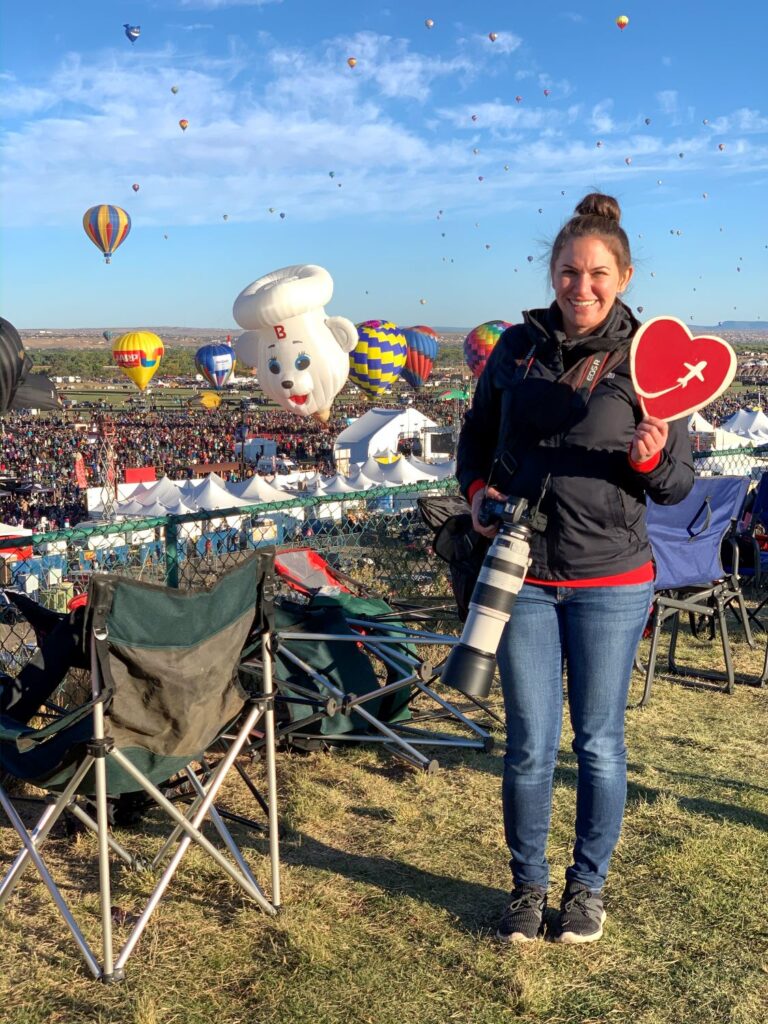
column 579, row 900
column 528, row 900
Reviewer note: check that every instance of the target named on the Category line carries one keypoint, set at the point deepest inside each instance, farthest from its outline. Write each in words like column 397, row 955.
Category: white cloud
column 667, row 100
column 23, row 101
column 600, row 118
column 505, row 42
column 217, row 5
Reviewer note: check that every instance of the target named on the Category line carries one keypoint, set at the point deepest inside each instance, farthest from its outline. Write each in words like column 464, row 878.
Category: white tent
column 402, row 472
column 437, row 470
column 164, row 490
column 749, row 423
column 211, row 496
column 376, row 430
column 370, row 470
column 256, row 490
column 698, row 425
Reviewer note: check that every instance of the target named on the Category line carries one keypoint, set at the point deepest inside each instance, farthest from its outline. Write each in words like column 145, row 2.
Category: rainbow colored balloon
column 107, row 227
column 138, row 355
column 421, row 352
column 378, row 358
column 479, row 344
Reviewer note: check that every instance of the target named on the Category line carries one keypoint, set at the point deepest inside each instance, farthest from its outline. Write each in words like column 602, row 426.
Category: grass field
column 393, row 881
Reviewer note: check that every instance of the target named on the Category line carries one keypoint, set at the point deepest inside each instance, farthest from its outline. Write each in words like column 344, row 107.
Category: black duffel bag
column 457, row 543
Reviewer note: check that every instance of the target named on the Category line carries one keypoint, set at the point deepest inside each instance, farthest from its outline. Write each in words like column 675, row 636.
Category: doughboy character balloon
column 300, row 353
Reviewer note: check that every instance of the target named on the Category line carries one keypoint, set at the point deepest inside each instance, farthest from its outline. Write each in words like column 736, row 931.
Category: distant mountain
column 744, row 325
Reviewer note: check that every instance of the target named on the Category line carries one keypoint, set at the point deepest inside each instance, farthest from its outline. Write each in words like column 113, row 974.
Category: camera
column 471, row 664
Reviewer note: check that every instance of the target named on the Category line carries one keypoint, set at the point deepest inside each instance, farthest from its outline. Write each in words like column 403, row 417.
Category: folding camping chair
column 687, row 541
column 164, row 686
column 348, row 669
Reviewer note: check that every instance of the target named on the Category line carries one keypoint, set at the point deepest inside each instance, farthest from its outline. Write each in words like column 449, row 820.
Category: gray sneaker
column 523, row 920
column 581, row 915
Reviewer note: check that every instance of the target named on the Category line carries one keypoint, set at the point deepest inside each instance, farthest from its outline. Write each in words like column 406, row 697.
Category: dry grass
column 393, row 881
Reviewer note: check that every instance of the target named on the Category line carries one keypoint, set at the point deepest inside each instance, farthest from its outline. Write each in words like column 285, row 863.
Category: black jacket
column 519, row 431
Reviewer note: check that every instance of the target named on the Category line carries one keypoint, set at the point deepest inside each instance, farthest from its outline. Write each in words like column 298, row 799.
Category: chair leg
column 652, row 655
column 723, row 623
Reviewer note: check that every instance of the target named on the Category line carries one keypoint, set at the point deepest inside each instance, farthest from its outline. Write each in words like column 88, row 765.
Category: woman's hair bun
column 598, row 205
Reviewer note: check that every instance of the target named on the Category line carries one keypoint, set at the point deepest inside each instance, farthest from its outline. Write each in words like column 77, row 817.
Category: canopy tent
column 402, row 472
column 698, row 425
column 438, row 471
column 378, row 430
column 256, row 490
column 749, row 423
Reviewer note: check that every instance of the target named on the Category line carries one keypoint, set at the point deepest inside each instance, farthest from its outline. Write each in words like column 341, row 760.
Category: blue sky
column 273, row 108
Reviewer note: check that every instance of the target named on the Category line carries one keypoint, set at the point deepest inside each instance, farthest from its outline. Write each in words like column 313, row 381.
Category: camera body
column 471, row 664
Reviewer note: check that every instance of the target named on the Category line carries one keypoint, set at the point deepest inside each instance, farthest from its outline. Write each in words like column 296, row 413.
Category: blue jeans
column 595, row 630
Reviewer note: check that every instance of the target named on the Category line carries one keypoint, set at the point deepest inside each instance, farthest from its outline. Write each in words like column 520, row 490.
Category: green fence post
column 172, row 552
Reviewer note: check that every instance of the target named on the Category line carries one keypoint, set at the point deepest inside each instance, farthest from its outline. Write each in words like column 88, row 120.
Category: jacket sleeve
column 482, row 422
column 672, row 478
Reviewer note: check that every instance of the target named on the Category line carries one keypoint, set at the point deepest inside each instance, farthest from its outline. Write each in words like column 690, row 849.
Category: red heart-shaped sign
column 674, row 373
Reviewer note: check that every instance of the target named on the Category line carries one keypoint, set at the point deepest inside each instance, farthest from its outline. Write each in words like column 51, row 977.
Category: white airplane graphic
column 694, row 371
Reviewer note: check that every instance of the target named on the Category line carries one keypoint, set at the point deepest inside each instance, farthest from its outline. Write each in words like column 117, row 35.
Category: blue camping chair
column 687, row 541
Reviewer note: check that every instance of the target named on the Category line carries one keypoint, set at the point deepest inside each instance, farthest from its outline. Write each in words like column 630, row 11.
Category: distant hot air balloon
column 529, row 258
column 681, row 155
column 480, row 177
column 331, row 174
column 506, row 167
column 659, row 181
column 107, row 335
column 721, row 146
column 705, row 195
column 138, row 355
column 705, row 121
column 546, row 92
column 225, row 216
column 622, row 21
column 647, row 121
column 216, row 363
column 107, row 227
column 183, row 124
column 421, row 352
column 282, row 216
column 429, row 23
column 132, row 32
column 518, row 99
column 378, row 358
column 174, row 89
column 135, row 187
column 640, row 309
column 422, row 302
column 627, row 160
column 475, row 151
column 474, row 117
column 479, row 344
column 493, row 36
column 599, row 143
column 351, row 61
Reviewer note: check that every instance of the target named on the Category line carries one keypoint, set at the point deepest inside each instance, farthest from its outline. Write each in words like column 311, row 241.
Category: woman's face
column 586, row 279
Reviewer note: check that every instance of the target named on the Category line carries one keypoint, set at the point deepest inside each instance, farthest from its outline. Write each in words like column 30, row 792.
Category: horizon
column 429, row 179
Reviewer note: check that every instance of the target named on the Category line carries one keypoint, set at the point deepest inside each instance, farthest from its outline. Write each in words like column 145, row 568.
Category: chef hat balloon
column 301, row 354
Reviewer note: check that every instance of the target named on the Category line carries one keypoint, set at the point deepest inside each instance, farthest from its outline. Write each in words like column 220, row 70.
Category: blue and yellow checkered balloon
column 379, row 356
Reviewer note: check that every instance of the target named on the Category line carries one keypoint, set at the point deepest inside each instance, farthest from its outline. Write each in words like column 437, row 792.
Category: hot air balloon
column 174, row 89
column 216, row 363
column 225, row 216
column 480, row 177
column 282, row 216
column 622, row 21
column 681, row 155
column 506, row 167
column 132, row 32
column 183, row 124
column 529, row 258
column 480, row 341
column 422, row 302
column 493, row 36
column 599, row 143
column 721, row 146
column 351, row 61
column 640, row 309
column 647, row 121
column 138, row 355
column 429, row 23
column 518, row 99
column 627, row 160
column 421, row 352
column 474, row 117
column 107, row 335
column 705, row 121
column 378, row 358
column 107, row 227
column 135, row 187
column 546, row 92
column 475, row 151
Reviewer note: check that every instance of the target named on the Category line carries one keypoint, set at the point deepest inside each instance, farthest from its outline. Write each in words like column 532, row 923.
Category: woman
column 555, row 416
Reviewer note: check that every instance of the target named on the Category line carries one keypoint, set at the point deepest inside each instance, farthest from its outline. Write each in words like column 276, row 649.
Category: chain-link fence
column 375, row 536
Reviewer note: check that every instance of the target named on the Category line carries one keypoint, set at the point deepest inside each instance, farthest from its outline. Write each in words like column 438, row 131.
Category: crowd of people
column 38, row 485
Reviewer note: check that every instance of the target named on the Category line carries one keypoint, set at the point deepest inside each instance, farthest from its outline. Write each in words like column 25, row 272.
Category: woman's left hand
column 649, row 438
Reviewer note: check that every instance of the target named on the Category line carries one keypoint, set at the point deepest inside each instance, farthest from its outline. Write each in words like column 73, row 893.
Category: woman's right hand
column 477, row 501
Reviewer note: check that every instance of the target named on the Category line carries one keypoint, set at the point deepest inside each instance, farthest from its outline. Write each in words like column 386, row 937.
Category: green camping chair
column 165, row 687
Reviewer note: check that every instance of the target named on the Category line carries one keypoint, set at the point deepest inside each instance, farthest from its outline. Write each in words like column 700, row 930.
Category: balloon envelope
column 107, row 227
column 138, row 355
column 216, row 363
column 378, row 358
column 479, row 344
column 420, row 354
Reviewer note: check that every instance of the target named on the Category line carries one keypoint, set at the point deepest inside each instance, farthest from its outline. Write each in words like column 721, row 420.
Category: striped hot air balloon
column 420, row 355
column 378, row 358
column 107, row 227
column 216, row 363
column 479, row 344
